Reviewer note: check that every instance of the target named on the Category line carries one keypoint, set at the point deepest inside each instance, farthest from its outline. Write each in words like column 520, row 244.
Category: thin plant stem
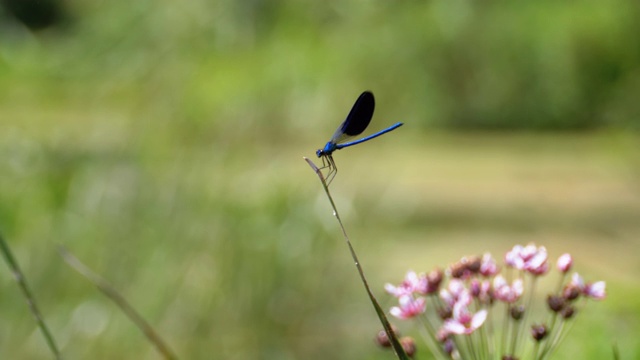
column 26, row 292
column 491, row 331
column 436, row 301
column 555, row 329
column 561, row 332
column 552, row 330
column 397, row 347
column 462, row 350
column 527, row 314
column 120, row 301
column 429, row 337
column 482, row 339
column 560, row 282
column 481, row 336
column 564, row 331
column 425, row 320
column 505, row 330
column 536, row 350
column 549, row 349
column 515, row 325
column 472, row 349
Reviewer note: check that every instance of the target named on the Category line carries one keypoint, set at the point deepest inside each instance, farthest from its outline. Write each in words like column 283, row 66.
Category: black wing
column 358, row 119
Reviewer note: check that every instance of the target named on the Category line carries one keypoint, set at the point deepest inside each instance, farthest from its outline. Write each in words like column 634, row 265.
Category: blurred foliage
column 462, row 64
column 160, row 141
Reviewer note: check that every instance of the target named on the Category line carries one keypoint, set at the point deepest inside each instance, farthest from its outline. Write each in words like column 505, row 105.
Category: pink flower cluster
column 462, row 321
column 594, row 291
column 411, row 291
column 475, row 284
column 455, row 302
column 509, row 293
column 528, row 258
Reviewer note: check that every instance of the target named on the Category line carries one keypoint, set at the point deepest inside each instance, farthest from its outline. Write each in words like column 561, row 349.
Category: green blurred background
column 162, row 143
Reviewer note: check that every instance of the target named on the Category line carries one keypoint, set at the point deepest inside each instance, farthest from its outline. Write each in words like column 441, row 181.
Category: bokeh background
column 162, row 143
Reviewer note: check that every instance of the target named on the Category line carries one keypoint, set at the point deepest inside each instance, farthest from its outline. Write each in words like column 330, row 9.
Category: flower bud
column 516, row 312
column 564, row 263
column 475, row 287
column 458, row 270
column 434, row 278
column 556, row 303
column 445, row 312
column 383, row 340
column 442, row 335
column 571, row 292
column 409, row 346
column 568, row 312
column 474, row 263
column 449, row 346
column 538, row 332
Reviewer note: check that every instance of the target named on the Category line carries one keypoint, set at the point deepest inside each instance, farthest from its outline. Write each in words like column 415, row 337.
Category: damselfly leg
column 328, row 163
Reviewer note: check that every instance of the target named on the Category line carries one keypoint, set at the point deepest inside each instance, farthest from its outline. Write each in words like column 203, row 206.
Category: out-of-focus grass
column 241, row 258
column 163, row 146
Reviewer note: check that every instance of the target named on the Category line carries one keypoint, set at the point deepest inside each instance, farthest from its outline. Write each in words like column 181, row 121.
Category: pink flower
column 453, row 292
column 596, row 290
column 577, row 286
column 577, row 281
column 412, row 283
column 463, row 321
column 574, row 288
column 503, row 292
column 408, row 307
column 529, row 258
column 488, row 266
column 538, row 264
column 513, row 259
column 480, row 289
column 564, row 263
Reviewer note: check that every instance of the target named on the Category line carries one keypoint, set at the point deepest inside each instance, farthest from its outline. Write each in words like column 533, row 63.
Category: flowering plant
column 459, row 309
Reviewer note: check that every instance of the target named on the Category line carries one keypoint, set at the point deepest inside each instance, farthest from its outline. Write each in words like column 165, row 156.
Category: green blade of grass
column 120, row 301
column 26, row 292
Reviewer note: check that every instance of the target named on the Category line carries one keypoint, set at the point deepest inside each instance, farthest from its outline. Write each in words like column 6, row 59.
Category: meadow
column 162, row 145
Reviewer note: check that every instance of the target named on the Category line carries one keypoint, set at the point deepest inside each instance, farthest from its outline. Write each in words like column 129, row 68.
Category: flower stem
column 397, row 347
column 430, row 336
column 505, row 330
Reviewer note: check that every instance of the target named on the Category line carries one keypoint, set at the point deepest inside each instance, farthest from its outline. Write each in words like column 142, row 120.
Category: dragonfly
column 356, row 122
